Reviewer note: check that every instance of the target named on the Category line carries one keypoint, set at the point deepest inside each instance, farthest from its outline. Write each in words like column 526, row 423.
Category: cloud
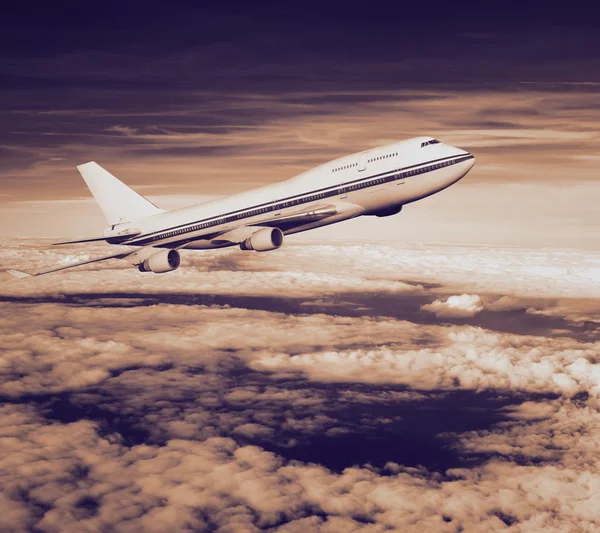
column 73, row 259
column 253, row 430
column 465, row 305
column 87, row 480
column 465, row 357
column 169, row 403
column 124, row 130
column 309, row 270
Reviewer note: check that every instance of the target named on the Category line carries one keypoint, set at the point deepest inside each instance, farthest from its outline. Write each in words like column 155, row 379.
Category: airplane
column 377, row 182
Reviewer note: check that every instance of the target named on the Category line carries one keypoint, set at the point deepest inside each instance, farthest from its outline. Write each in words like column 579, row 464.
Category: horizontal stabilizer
column 19, row 274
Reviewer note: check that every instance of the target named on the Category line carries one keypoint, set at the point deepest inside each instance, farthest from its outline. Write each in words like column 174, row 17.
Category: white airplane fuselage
column 373, row 182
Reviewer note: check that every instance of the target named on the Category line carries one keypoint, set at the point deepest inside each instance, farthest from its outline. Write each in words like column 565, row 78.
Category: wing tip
column 19, row 275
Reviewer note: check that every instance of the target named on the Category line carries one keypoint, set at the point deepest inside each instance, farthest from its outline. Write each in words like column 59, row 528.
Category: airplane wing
column 304, row 216
column 23, row 275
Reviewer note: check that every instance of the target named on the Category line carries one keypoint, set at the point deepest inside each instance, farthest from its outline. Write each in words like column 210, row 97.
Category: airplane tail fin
column 118, row 202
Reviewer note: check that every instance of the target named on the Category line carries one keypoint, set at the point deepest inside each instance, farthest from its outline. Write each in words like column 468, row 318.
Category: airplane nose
column 464, row 166
column 467, row 164
column 471, row 162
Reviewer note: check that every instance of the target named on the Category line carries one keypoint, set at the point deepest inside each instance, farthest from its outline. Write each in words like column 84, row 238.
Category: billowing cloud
column 461, row 357
column 461, row 306
column 87, row 480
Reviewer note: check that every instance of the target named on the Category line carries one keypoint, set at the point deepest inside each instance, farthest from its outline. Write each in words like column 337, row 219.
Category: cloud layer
column 345, row 404
column 302, row 268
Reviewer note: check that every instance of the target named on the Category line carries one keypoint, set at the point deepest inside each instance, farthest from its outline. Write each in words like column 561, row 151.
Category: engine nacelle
column 163, row 261
column 263, row 240
column 388, row 211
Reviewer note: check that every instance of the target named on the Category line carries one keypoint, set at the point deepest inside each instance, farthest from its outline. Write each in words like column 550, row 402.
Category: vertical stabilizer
column 118, row 202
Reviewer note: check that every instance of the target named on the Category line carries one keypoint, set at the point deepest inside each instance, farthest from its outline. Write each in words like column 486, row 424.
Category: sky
column 188, row 104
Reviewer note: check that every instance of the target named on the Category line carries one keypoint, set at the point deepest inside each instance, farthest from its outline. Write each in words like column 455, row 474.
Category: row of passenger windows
column 379, row 158
column 344, row 167
column 383, row 157
column 427, row 143
column 307, row 199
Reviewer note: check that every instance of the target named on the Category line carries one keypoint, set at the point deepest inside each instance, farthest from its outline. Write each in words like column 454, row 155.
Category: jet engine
column 263, row 240
column 388, row 211
column 163, row 261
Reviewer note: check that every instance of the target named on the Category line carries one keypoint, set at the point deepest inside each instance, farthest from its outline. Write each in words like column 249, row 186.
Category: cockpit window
column 432, row 141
